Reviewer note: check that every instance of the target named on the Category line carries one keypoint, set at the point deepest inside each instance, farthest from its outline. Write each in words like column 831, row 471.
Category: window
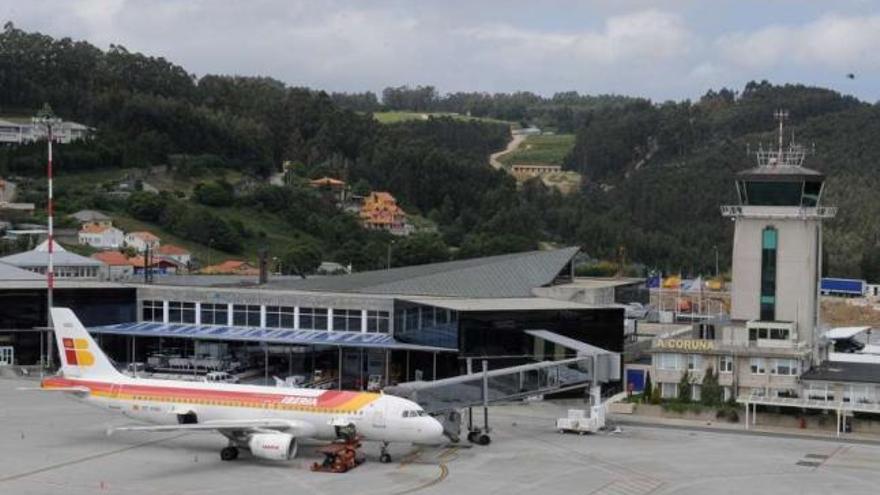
column 694, row 362
column 347, row 320
column 152, row 311
column 757, row 366
column 695, row 392
column 181, row 312
column 668, row 361
column 246, row 315
column 215, row 314
column 779, row 333
column 279, row 316
column 313, row 318
column 785, row 367
column 725, row 364
column 861, row 394
column 668, row 390
column 377, row 321
column 819, row 392
column 769, row 242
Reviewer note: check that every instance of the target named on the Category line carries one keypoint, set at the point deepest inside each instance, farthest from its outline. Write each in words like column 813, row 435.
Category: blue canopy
column 280, row 336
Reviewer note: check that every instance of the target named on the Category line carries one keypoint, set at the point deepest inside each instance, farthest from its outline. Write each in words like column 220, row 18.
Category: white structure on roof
column 20, row 131
column 100, row 237
column 67, row 264
column 140, row 241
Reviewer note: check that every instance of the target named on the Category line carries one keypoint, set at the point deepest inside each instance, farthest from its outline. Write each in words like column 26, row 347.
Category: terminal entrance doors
column 7, row 355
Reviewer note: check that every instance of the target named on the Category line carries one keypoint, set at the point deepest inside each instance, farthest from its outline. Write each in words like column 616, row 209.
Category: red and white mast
column 47, row 119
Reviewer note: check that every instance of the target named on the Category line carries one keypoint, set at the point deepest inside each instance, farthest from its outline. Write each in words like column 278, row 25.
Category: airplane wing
column 80, row 391
column 294, row 427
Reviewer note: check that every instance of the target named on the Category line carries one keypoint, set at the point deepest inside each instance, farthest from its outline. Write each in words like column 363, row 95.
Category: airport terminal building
column 387, row 326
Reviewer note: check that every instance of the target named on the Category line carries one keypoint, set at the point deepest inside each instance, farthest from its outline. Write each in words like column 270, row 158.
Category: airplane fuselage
column 376, row 417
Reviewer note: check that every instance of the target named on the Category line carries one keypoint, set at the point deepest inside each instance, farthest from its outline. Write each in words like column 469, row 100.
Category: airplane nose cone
column 435, row 429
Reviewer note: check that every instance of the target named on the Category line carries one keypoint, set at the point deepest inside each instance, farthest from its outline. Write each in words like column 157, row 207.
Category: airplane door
column 379, row 417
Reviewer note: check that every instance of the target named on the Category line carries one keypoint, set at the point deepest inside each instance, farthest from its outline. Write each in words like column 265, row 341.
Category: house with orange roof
column 329, row 186
column 231, row 267
column 100, row 236
column 142, row 240
column 117, row 265
column 174, row 252
column 380, row 212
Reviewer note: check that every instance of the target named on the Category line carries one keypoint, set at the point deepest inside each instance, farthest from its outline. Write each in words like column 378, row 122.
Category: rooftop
column 90, row 216
column 143, row 234
column 171, row 249
column 9, row 272
column 39, row 256
column 837, row 371
column 499, row 304
column 502, row 276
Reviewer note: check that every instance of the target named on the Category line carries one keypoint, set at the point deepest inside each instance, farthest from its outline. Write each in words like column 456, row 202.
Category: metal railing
column 819, row 212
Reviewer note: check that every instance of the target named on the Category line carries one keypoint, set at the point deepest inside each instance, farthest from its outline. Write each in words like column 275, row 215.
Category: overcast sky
column 670, row 49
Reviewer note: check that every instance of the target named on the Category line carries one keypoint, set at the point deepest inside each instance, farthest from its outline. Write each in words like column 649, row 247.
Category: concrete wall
column 797, row 271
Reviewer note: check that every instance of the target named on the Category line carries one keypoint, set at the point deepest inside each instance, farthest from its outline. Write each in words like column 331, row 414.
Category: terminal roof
column 278, row 336
column 503, row 276
column 840, row 371
column 500, row 304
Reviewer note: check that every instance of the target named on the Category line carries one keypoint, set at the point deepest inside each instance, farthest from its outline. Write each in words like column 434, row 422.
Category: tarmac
column 53, row 444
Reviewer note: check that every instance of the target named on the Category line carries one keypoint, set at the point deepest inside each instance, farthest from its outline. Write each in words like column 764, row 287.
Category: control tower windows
column 769, row 241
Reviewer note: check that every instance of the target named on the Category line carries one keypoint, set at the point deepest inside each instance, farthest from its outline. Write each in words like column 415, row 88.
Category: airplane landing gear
column 384, row 456
column 229, row 453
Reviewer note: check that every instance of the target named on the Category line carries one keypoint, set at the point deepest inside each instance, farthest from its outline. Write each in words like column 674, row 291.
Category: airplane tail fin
column 80, row 355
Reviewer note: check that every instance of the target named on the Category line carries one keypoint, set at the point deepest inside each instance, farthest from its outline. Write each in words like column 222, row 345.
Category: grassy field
column 395, row 117
column 546, row 149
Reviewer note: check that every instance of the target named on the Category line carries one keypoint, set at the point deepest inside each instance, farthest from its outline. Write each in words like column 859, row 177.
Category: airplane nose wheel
column 384, row 456
column 229, row 453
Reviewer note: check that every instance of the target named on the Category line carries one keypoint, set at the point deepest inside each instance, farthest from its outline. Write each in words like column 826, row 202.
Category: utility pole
column 716, row 261
column 47, row 119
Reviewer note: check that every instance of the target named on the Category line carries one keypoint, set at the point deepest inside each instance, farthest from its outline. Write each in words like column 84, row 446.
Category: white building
column 100, row 237
column 66, row 264
column 142, row 240
column 23, row 130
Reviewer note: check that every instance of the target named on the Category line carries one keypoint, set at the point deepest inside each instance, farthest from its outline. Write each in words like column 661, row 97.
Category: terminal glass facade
column 280, row 316
column 214, row 314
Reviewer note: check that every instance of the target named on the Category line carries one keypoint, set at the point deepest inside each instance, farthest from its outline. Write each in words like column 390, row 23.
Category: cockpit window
column 414, row 413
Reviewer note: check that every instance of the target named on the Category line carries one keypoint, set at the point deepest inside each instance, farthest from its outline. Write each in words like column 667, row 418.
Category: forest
column 656, row 172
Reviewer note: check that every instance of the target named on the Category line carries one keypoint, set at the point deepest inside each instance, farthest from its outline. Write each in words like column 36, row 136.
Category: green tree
column 146, row 206
column 684, row 387
column 214, row 193
column 649, row 388
column 302, row 259
column 710, row 392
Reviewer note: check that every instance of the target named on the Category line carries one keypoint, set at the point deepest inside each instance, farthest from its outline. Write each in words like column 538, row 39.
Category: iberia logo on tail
column 76, row 352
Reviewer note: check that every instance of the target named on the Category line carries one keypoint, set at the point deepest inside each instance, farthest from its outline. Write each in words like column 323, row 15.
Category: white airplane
column 267, row 421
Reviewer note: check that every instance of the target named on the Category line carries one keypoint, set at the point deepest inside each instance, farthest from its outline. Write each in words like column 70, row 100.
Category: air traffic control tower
column 777, row 247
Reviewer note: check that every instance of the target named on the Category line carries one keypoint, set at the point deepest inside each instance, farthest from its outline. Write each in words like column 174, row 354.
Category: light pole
column 716, row 260
column 45, row 118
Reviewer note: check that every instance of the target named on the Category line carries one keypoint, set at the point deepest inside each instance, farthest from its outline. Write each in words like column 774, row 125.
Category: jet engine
column 273, row 446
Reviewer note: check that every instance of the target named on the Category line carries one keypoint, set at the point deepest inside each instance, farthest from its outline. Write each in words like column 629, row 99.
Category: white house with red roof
column 142, row 240
column 100, row 236
column 116, row 265
column 176, row 253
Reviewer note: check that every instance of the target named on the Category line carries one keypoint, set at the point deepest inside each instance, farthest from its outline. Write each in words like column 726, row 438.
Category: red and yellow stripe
column 330, row 401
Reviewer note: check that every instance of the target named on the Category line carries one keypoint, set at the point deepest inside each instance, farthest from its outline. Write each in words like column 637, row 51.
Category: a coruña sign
column 685, row 344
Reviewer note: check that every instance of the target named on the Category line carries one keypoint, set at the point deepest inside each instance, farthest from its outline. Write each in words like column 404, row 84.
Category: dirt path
column 512, row 145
